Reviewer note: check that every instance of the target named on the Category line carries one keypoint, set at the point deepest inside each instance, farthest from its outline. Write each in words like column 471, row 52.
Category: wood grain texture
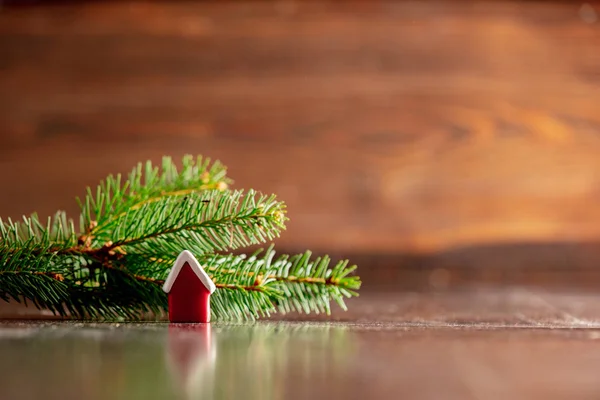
column 386, row 126
column 454, row 346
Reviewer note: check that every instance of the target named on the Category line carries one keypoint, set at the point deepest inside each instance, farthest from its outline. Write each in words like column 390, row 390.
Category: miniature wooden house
column 189, row 288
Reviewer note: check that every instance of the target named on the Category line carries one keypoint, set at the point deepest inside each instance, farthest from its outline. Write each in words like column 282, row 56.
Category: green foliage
column 35, row 245
column 210, row 221
column 147, row 183
column 297, row 283
column 133, row 229
column 43, row 290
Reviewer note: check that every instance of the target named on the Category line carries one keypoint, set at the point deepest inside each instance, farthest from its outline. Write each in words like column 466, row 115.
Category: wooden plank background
column 386, row 126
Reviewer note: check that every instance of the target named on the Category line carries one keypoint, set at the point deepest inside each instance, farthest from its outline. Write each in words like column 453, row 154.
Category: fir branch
column 147, row 183
column 133, row 230
column 237, row 300
column 305, row 284
column 310, row 285
column 231, row 304
column 288, row 283
column 133, row 292
column 50, row 291
column 212, row 221
column 44, row 290
column 33, row 245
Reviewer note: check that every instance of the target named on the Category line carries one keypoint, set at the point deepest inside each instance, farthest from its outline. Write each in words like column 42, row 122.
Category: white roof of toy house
column 187, row 257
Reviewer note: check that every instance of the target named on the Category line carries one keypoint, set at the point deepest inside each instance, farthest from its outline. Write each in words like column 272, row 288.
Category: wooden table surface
column 493, row 344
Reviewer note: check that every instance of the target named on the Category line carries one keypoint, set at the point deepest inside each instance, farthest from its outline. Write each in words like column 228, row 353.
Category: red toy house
column 189, row 289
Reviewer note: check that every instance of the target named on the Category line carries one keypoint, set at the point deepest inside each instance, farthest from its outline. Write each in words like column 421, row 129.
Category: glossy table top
column 507, row 344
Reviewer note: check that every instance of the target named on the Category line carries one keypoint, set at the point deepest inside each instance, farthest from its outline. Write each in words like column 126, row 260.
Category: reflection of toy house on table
column 191, row 356
column 189, row 289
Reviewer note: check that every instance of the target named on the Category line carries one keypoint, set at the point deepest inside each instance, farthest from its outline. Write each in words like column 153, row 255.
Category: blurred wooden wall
column 386, row 126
